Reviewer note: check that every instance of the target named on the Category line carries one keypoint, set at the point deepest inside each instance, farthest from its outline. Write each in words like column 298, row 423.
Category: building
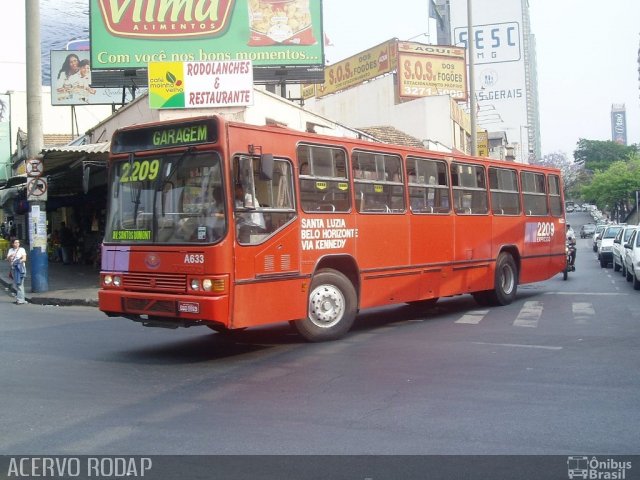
column 619, row 124
column 506, row 80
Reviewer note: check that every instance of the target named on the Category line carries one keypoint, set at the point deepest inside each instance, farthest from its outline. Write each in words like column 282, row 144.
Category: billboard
column 270, row 33
column 62, row 23
column 71, row 81
column 429, row 70
column 200, row 84
column 619, row 124
column 500, row 79
column 359, row 68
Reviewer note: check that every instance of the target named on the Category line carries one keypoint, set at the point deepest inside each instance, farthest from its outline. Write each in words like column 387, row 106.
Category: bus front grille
column 143, row 306
column 159, row 282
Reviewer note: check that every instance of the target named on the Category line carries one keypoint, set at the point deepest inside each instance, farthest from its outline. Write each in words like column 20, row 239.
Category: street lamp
column 522, row 144
column 472, row 83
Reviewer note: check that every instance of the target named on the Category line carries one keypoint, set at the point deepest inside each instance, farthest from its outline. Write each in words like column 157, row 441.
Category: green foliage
column 618, row 183
column 599, row 155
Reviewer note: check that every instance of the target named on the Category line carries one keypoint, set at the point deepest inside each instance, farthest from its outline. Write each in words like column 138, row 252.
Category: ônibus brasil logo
column 597, row 469
column 166, row 18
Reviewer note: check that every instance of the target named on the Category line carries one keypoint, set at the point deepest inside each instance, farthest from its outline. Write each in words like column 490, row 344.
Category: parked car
column 632, row 259
column 605, row 246
column 596, row 236
column 618, row 246
column 587, row 230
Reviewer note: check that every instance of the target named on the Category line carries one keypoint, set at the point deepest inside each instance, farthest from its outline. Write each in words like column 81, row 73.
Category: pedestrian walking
column 67, row 243
column 17, row 257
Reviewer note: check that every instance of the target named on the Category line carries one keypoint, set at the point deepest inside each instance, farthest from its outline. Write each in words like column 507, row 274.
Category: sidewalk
column 68, row 285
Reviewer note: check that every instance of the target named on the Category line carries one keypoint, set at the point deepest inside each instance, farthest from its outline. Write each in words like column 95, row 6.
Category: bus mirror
column 266, row 166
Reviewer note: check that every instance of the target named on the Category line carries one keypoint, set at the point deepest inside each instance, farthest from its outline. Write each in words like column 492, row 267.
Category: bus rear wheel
column 331, row 308
column 506, row 280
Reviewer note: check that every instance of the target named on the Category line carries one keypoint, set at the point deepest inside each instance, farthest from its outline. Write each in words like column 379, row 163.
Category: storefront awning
column 57, row 158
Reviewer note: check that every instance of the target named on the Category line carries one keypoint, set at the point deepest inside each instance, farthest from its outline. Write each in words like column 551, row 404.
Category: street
column 556, row 373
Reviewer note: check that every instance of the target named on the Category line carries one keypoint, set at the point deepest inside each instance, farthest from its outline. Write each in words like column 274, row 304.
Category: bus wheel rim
column 326, row 306
column 507, row 279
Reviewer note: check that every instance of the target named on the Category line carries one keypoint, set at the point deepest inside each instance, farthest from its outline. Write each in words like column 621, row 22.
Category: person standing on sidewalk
column 17, row 257
column 67, row 243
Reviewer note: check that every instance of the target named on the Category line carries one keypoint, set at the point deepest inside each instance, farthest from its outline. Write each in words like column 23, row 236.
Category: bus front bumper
column 165, row 310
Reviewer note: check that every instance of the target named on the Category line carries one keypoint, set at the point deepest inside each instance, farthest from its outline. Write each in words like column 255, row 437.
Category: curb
column 60, row 302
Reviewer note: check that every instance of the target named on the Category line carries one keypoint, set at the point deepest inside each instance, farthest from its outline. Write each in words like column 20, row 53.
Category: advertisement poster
column 359, row 68
column 71, row 81
column 200, row 84
column 127, row 35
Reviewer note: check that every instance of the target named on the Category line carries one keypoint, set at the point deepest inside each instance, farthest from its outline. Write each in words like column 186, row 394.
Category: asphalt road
column 555, row 373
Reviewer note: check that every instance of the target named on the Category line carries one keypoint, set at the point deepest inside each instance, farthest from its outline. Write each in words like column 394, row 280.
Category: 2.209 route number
column 545, row 229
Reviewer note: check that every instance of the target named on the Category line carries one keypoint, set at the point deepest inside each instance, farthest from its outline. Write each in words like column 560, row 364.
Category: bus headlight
column 195, row 284
column 117, row 281
column 207, row 284
column 108, row 280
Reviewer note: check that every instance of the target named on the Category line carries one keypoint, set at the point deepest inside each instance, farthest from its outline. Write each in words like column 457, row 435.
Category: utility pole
column 36, row 185
column 473, row 105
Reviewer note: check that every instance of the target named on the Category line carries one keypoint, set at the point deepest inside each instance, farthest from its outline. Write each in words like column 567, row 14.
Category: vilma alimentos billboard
column 128, row 34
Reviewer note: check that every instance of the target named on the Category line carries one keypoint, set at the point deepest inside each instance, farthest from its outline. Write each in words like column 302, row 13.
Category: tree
column 599, row 155
column 615, row 186
column 568, row 168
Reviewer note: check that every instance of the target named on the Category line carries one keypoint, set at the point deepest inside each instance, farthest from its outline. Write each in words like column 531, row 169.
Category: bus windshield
column 164, row 199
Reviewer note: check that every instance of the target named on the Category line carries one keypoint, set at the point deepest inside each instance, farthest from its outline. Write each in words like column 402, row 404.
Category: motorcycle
column 570, row 251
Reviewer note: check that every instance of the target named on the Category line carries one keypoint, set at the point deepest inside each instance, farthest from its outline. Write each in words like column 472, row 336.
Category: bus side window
column 258, row 217
column 378, row 182
column 428, row 185
column 324, row 185
column 469, row 189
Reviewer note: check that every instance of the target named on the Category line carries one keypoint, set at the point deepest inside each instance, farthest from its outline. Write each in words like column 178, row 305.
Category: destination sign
column 195, row 132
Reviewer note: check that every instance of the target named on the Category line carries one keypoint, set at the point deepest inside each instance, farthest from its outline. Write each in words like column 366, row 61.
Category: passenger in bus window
column 214, row 215
column 247, row 200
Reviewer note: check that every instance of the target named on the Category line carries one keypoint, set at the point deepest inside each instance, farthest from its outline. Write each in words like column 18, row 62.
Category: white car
column 596, row 236
column 632, row 259
column 605, row 245
column 618, row 247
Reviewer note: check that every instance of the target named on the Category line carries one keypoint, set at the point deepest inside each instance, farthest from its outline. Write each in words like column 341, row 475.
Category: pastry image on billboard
column 280, row 22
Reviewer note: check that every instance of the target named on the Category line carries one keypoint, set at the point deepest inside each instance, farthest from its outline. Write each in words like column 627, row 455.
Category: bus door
column 472, row 259
column 431, row 224
column 539, row 229
column 266, row 251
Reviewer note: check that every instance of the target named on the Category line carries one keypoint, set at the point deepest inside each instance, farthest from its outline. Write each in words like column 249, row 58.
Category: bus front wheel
column 331, row 307
column 506, row 280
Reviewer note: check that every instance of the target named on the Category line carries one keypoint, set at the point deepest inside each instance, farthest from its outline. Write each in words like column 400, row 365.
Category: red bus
column 232, row 226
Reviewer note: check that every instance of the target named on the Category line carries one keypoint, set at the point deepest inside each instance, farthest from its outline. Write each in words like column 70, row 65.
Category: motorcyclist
column 571, row 243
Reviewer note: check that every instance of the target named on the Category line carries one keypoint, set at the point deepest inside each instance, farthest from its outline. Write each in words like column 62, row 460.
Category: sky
column 587, row 54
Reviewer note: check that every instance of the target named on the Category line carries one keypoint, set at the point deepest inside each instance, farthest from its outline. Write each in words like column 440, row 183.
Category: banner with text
column 359, row 68
column 200, row 84
column 428, row 70
column 269, row 33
